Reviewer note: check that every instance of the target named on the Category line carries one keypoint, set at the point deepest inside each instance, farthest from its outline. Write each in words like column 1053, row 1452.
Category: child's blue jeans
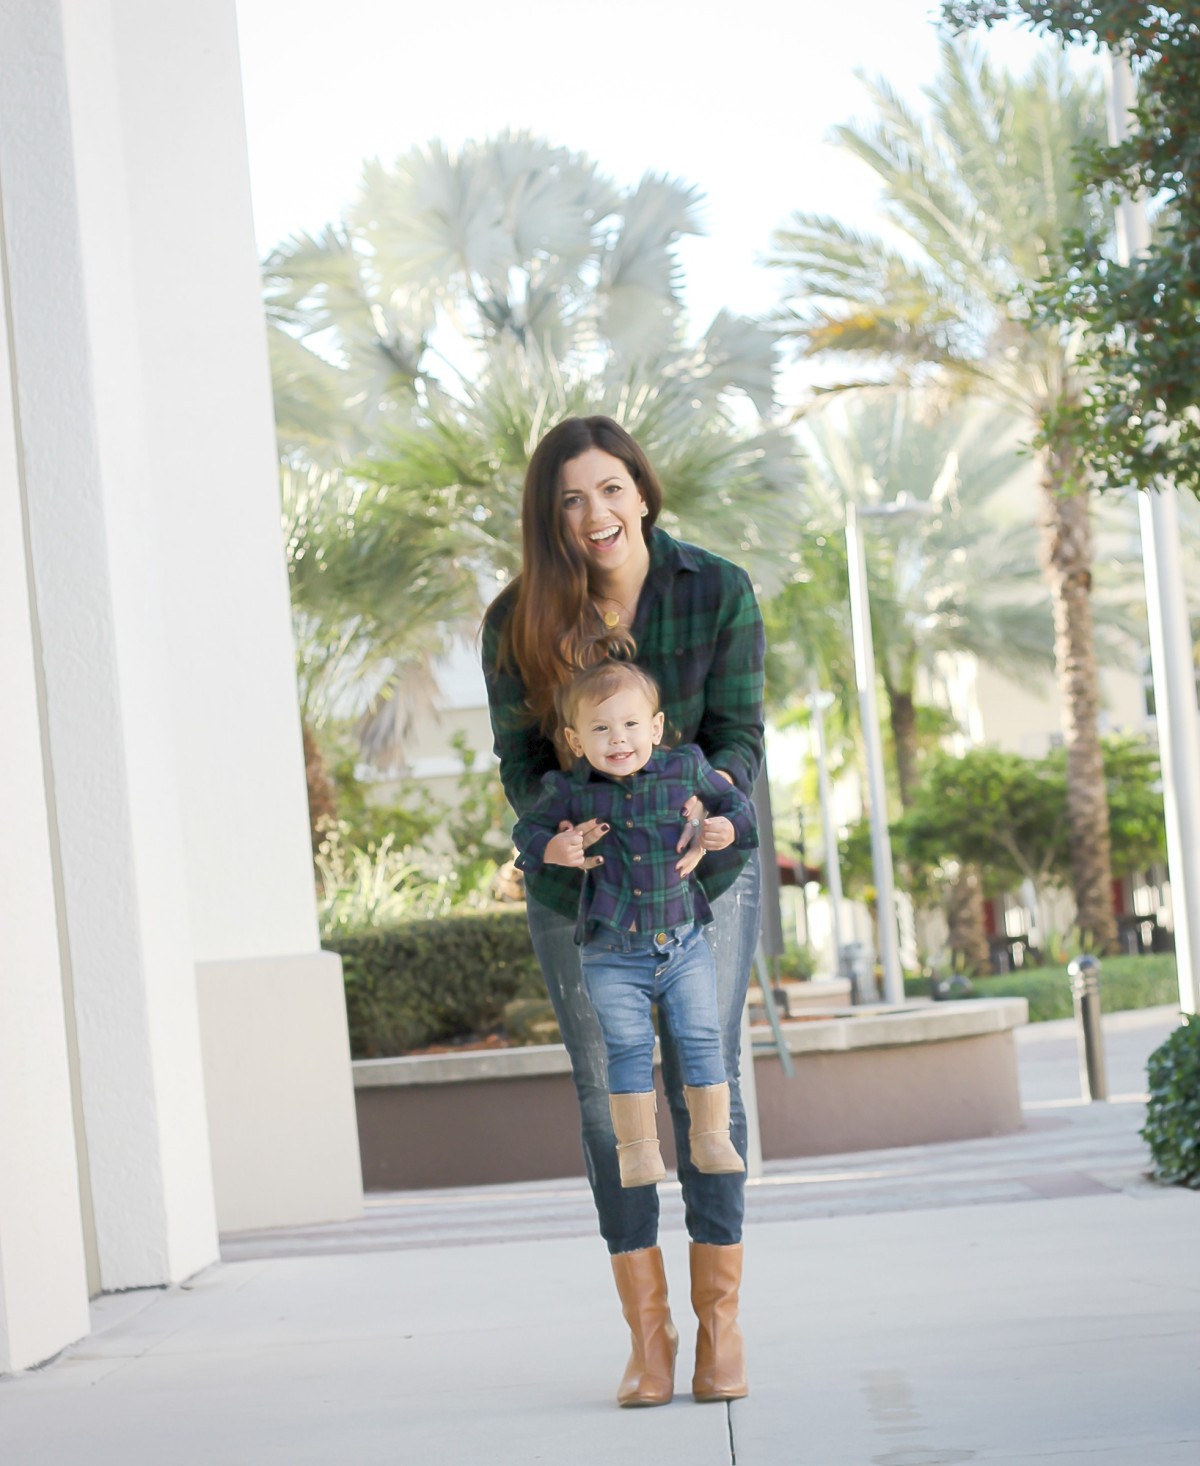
column 625, row 973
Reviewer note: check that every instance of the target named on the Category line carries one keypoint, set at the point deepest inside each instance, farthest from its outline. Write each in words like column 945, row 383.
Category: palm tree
column 952, row 578
column 980, row 194
column 423, row 345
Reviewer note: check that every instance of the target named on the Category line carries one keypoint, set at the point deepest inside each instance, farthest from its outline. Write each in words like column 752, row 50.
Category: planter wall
column 863, row 1081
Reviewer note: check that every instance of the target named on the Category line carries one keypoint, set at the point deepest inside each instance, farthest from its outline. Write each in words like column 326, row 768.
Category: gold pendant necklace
column 611, row 619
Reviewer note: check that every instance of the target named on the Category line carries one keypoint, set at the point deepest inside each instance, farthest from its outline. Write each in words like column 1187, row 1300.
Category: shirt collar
column 667, row 553
column 582, row 772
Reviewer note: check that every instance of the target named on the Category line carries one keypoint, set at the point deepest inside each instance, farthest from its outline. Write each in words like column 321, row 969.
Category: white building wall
column 272, row 1009
column 196, row 320
column 1027, row 719
column 202, row 1035
column 104, row 659
column 43, row 1284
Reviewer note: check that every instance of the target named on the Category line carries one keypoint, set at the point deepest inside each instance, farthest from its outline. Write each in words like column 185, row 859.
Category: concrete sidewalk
column 1025, row 1299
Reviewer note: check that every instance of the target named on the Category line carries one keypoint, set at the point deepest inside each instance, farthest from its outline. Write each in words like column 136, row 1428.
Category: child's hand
column 568, row 847
column 702, row 832
column 718, row 832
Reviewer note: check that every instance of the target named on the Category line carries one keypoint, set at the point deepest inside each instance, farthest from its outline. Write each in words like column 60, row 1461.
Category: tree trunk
column 1067, row 554
column 322, row 797
column 903, row 717
column 969, row 950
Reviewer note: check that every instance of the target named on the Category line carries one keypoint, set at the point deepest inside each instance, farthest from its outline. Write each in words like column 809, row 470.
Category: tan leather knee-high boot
column 634, row 1124
column 708, row 1137
column 720, row 1350
column 642, row 1284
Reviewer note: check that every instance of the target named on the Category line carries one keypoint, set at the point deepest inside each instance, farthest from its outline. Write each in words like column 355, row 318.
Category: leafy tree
column 421, row 347
column 1135, row 420
column 982, row 193
column 1008, row 815
column 952, row 576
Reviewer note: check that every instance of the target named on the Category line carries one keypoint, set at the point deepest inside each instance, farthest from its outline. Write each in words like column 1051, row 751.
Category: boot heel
column 720, row 1350
column 642, row 1287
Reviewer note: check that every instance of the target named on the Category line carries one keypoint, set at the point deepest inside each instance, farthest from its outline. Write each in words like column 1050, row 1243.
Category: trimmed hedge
column 426, row 982
column 1125, row 982
column 1172, row 1128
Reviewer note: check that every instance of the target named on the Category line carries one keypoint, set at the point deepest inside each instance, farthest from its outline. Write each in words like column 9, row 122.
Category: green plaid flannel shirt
column 637, row 888
column 699, row 633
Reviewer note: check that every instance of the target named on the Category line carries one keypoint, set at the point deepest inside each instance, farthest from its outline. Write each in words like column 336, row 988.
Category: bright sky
column 736, row 98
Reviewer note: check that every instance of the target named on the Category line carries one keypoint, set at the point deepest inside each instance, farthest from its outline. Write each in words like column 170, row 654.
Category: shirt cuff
column 727, row 761
column 532, row 856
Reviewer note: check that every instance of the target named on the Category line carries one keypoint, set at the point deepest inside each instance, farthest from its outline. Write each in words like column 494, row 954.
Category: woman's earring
column 645, row 510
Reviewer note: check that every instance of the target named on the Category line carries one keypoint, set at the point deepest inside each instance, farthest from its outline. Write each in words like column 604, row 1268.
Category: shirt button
column 636, row 858
column 679, row 651
column 636, row 892
column 629, row 796
column 629, row 824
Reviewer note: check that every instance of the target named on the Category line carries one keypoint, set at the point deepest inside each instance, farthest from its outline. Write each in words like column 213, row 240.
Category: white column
column 172, row 212
column 1171, row 659
column 43, row 1284
column 89, row 493
column 868, row 710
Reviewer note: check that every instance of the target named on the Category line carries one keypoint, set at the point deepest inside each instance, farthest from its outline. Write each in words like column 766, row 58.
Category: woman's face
column 602, row 510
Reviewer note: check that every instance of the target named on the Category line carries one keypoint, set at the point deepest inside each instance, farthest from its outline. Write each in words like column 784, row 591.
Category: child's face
column 616, row 736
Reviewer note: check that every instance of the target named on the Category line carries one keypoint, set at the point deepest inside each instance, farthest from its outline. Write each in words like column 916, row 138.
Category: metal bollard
column 1084, row 973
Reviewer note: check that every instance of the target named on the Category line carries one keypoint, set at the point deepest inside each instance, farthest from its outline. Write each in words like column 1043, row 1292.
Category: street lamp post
column 881, row 845
column 818, row 702
column 1171, row 663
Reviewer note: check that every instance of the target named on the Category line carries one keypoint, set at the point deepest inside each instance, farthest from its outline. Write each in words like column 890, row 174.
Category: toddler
column 640, row 920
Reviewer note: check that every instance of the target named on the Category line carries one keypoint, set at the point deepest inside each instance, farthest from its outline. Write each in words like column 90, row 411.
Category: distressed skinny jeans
column 713, row 1205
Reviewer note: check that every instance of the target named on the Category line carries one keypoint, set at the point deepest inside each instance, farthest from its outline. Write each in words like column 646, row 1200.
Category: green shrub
column 797, row 963
column 1125, row 982
column 1172, row 1128
column 424, row 982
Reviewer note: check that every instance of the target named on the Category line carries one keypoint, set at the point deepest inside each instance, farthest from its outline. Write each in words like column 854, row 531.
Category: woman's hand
column 568, row 846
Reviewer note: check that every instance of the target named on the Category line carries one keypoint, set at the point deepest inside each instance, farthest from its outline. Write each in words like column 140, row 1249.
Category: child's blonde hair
column 597, row 684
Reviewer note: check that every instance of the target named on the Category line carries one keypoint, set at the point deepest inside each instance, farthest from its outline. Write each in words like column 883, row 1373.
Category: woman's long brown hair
column 552, row 631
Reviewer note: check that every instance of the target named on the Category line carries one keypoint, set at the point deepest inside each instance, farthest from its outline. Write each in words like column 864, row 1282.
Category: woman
column 597, row 575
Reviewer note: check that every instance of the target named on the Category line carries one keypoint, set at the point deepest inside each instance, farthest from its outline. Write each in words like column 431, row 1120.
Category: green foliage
column 409, row 819
column 480, row 824
column 420, row 348
column 999, row 811
column 1136, row 420
column 426, row 982
column 414, row 857
column 797, row 964
column 953, row 575
column 981, row 187
column 375, row 887
column 1008, row 814
column 1125, row 983
column 1135, row 803
column 1172, row 1128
